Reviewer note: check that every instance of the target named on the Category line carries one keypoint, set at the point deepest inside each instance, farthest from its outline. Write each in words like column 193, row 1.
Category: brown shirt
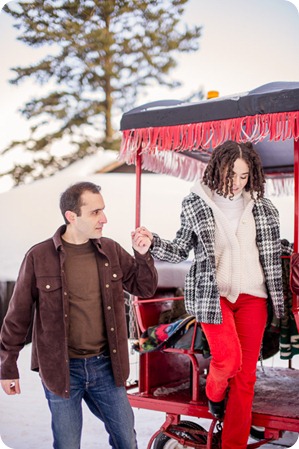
column 87, row 334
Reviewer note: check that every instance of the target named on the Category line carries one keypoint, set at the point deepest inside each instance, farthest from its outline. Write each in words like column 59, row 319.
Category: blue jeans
column 92, row 380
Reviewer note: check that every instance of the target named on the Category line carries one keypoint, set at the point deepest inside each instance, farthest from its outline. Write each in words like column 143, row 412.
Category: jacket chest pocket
column 115, row 281
column 50, row 293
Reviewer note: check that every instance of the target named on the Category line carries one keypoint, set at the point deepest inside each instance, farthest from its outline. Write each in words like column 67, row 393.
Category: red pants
column 235, row 346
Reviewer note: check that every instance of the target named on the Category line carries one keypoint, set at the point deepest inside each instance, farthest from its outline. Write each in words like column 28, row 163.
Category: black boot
column 216, row 408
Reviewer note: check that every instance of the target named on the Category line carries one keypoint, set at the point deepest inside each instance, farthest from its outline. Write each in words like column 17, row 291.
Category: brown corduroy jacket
column 41, row 287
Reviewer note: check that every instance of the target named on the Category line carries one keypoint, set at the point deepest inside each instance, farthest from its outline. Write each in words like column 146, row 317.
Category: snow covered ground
column 25, row 418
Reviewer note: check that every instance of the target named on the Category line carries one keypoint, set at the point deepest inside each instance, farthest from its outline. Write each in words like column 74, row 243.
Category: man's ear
column 70, row 216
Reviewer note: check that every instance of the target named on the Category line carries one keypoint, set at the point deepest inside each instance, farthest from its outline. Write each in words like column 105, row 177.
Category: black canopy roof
column 268, row 116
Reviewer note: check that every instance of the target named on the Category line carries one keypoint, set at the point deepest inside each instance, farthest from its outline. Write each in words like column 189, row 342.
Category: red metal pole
column 144, row 382
column 138, row 188
column 296, row 194
column 295, row 307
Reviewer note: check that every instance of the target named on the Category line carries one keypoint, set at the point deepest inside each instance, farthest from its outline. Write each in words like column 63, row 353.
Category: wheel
column 258, row 433
column 164, row 442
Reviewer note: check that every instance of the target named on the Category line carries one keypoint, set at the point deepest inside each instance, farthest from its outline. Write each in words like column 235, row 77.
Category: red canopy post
column 295, row 307
column 138, row 188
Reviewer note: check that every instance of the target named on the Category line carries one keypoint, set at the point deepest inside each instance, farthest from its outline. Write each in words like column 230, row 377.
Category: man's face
column 89, row 225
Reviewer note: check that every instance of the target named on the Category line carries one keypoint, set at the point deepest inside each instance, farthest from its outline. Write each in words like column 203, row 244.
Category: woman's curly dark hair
column 218, row 175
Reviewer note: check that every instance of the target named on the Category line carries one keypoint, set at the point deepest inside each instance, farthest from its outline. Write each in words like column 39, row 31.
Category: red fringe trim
column 278, row 126
column 189, row 169
column 162, row 147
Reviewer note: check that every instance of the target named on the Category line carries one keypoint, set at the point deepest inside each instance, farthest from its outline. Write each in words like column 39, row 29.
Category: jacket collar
column 57, row 240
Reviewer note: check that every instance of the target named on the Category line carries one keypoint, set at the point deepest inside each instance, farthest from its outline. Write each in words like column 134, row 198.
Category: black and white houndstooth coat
column 197, row 232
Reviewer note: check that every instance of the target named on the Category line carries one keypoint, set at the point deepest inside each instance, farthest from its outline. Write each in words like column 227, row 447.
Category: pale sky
column 244, row 44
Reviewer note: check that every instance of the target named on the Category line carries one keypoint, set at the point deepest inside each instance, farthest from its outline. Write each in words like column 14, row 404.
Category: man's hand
column 145, row 232
column 141, row 240
column 11, row 386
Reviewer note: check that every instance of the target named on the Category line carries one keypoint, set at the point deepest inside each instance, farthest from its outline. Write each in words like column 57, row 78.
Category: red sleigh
column 177, row 138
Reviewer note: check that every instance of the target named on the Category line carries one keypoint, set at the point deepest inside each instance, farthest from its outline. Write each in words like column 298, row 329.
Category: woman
column 234, row 232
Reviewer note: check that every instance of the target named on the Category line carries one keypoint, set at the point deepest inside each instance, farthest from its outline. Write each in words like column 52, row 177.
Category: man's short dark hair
column 71, row 198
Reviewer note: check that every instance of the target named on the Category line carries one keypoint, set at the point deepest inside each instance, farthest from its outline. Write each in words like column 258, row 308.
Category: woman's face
column 240, row 176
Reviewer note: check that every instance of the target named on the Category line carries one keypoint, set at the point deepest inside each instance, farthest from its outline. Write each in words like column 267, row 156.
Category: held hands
column 141, row 240
column 11, row 386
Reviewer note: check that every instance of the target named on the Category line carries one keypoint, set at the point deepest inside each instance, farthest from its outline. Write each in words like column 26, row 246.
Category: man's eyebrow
column 98, row 209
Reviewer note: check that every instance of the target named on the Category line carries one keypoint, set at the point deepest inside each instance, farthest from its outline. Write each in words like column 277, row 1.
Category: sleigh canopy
column 177, row 138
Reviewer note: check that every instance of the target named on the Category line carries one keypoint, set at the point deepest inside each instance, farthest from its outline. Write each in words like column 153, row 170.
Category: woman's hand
column 144, row 231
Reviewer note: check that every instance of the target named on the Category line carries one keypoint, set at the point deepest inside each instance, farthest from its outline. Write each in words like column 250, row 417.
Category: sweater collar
column 203, row 191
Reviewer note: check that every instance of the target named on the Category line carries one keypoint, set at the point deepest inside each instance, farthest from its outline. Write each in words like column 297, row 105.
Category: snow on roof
column 30, row 213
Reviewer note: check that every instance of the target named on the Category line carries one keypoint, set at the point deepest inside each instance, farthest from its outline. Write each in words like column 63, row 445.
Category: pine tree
column 101, row 54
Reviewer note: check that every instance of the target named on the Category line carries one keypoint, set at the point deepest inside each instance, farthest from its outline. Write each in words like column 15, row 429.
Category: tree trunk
column 108, row 109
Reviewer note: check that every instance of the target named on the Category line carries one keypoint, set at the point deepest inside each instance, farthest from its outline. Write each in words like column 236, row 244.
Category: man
column 74, row 281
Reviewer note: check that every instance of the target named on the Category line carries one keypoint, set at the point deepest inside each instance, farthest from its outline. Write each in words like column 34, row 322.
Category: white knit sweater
column 238, row 269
